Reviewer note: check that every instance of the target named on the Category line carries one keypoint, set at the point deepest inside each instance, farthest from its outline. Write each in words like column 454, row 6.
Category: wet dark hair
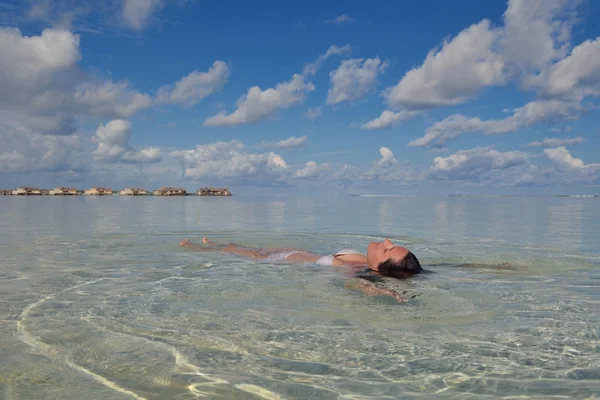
column 402, row 269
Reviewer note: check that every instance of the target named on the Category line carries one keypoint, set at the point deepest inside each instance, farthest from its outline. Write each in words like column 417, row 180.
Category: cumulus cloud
column 136, row 13
column 312, row 170
column 33, row 69
column 563, row 158
column 41, row 84
column 385, row 169
column 532, row 113
column 194, row 87
column 313, row 113
column 258, row 104
column 454, row 73
column 354, row 78
column 289, row 143
column 25, row 150
column 389, row 118
column 228, row 160
column 33, row 59
column 109, row 99
column 113, row 145
column 556, row 142
column 389, row 169
column 387, row 157
column 536, row 32
column 476, row 164
column 348, row 174
column 340, row 19
column 579, row 73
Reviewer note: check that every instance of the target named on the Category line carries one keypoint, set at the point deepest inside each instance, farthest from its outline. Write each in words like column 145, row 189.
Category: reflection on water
column 97, row 300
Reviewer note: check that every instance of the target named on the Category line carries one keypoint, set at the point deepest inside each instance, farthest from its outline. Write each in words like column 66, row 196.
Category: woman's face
column 378, row 252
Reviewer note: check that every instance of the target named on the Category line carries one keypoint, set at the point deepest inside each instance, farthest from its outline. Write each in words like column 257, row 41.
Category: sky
column 305, row 97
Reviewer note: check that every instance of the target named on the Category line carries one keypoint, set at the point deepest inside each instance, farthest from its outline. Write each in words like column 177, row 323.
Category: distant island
column 101, row 191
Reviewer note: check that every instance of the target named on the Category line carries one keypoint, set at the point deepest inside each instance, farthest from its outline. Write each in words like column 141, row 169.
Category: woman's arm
column 370, row 289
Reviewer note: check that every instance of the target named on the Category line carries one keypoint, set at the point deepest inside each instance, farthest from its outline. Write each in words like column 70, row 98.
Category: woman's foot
column 206, row 241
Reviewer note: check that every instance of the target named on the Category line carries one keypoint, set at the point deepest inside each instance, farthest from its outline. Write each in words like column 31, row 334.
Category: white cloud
column 108, row 99
column 454, row 73
column 354, row 78
column 577, row 73
column 41, row 85
column 536, row 32
column 32, row 60
column 388, row 119
column 194, row 87
column 312, row 170
column 532, row 113
column 228, row 160
column 24, row 150
column 556, row 142
column 387, row 157
column 563, row 158
column 136, row 13
column 477, row 164
column 340, row 19
column 35, row 70
column 571, row 170
column 348, row 173
column 113, row 145
column 258, row 104
column 313, row 113
column 289, row 143
column 385, row 169
column 389, row 169
column 312, row 68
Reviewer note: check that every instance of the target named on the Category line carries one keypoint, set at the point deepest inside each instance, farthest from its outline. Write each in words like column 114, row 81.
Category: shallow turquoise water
column 97, row 301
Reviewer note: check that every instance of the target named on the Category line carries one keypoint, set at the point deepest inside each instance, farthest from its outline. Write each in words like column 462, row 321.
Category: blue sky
column 343, row 97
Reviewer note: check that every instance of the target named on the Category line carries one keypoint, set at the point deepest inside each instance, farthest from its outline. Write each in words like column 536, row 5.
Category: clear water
column 98, row 301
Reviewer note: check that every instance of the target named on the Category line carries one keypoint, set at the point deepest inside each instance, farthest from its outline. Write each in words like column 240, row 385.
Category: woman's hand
column 370, row 289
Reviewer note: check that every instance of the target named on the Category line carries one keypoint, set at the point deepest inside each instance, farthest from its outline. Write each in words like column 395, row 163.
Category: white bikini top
column 328, row 260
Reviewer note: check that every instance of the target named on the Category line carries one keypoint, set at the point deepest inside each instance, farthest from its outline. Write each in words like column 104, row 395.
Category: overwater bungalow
column 63, row 191
column 133, row 192
column 170, row 191
column 98, row 191
column 214, row 192
column 27, row 191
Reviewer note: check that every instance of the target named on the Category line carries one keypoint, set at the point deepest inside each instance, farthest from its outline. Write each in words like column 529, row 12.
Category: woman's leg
column 230, row 248
column 299, row 256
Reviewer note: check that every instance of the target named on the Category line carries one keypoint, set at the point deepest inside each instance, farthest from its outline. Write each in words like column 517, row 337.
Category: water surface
column 97, row 301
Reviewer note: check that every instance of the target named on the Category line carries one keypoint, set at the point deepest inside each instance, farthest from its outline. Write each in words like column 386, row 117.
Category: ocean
column 98, row 300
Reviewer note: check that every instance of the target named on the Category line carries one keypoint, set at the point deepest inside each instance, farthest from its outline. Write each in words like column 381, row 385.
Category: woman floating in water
column 383, row 259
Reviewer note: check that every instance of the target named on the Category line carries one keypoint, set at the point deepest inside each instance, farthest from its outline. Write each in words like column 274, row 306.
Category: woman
column 382, row 259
